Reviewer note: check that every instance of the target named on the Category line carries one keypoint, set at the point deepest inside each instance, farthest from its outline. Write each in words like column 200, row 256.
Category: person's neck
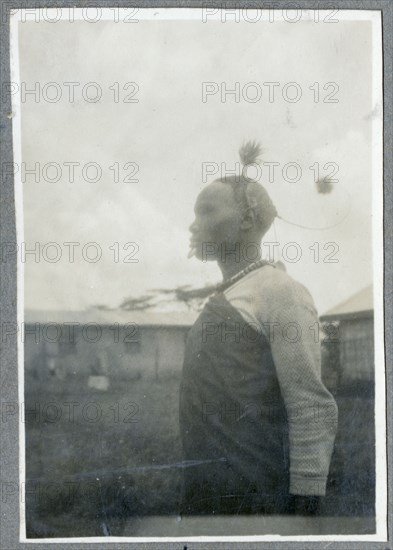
column 229, row 268
column 233, row 264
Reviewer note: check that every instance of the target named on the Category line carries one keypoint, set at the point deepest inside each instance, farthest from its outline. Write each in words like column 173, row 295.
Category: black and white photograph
column 199, row 215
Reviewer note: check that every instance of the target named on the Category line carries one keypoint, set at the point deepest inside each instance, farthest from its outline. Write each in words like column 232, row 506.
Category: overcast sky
column 170, row 133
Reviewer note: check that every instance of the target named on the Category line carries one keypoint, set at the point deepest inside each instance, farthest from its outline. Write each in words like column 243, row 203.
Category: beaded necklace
column 220, row 287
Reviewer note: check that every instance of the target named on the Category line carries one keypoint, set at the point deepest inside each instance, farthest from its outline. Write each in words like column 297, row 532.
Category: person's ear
column 247, row 222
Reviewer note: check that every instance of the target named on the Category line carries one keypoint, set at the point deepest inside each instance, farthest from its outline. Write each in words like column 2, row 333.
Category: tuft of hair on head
column 250, row 152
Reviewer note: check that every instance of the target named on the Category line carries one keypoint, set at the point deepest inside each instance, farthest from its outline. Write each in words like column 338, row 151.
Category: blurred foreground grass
column 99, row 457
column 99, row 460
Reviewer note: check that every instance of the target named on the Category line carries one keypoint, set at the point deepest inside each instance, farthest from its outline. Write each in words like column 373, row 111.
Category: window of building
column 132, row 347
column 67, row 342
column 131, row 338
column 67, row 347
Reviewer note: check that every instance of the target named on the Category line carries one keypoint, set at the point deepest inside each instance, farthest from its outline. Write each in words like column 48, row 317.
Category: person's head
column 230, row 212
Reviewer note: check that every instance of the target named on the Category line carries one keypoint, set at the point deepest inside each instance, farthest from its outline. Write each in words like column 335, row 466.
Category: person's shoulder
column 279, row 287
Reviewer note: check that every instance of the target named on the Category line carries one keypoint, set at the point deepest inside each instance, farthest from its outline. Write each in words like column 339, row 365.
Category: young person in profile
column 257, row 423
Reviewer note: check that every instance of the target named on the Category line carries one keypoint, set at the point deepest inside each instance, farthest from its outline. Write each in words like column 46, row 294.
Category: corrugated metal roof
column 110, row 317
column 360, row 304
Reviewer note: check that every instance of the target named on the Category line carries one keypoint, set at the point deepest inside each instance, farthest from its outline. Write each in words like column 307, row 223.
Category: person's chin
column 201, row 253
column 197, row 252
column 203, row 257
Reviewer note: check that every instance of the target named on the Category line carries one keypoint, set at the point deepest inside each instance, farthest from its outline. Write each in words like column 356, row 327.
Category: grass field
column 96, row 460
column 110, row 454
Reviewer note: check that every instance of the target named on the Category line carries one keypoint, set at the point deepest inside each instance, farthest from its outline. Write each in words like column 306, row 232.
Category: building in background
column 348, row 370
column 350, row 327
column 104, row 346
column 119, row 344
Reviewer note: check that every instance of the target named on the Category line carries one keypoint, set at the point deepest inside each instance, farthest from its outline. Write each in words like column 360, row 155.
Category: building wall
column 129, row 352
column 348, row 369
column 357, row 350
column 150, row 351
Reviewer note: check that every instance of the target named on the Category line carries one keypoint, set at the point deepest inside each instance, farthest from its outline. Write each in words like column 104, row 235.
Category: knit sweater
column 282, row 310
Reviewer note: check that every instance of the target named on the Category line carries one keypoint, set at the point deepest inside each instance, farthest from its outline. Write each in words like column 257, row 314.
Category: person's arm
column 311, row 409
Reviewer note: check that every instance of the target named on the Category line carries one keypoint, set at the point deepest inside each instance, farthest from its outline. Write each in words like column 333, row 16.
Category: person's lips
column 195, row 240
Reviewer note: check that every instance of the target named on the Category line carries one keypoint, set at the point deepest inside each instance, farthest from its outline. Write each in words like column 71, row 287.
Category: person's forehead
column 216, row 192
